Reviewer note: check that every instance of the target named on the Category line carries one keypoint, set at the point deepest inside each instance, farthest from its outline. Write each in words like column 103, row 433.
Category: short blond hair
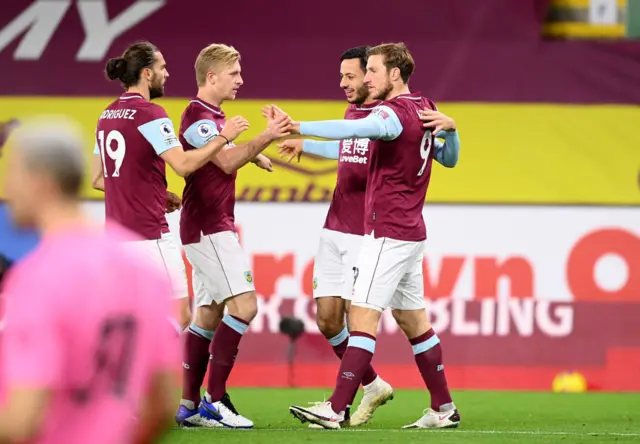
column 214, row 54
column 395, row 55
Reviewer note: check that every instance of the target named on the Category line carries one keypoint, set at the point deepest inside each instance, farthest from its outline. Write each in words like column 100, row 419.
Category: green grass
column 487, row 417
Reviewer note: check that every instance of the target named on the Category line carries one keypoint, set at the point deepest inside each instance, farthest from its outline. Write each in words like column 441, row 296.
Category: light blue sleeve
column 329, row 148
column 383, row 123
column 160, row 134
column 201, row 133
column 96, row 149
column 447, row 152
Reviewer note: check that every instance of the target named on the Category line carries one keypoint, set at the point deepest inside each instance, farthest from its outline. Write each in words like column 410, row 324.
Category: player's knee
column 209, row 317
column 412, row 322
column 330, row 316
column 364, row 319
column 243, row 306
column 329, row 323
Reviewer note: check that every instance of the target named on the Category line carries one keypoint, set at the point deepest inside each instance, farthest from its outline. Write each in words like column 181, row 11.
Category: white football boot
column 376, row 394
column 320, row 414
column 343, row 424
column 217, row 414
column 436, row 420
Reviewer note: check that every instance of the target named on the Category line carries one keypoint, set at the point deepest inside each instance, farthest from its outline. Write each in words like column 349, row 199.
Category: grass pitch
column 487, row 417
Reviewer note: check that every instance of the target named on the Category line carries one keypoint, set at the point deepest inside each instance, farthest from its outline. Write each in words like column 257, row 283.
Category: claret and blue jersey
column 131, row 135
column 400, row 162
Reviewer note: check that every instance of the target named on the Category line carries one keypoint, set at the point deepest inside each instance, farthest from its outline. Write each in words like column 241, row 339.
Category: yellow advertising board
column 532, row 154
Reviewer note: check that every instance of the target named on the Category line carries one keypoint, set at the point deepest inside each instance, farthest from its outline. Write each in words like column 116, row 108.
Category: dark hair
column 396, row 55
column 127, row 68
column 359, row 52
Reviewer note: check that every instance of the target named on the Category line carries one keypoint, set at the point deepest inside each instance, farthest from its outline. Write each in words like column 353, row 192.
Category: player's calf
column 197, row 341
column 224, row 349
column 428, row 356
column 330, row 319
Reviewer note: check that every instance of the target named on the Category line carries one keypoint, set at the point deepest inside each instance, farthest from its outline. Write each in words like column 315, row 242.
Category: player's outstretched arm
column 233, row 158
column 161, row 135
column 382, row 123
column 238, row 156
column 291, row 148
column 329, row 149
column 186, row 162
column 263, row 162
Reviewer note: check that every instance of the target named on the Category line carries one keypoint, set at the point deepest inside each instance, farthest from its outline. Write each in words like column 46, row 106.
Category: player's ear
column 147, row 73
column 395, row 73
column 211, row 77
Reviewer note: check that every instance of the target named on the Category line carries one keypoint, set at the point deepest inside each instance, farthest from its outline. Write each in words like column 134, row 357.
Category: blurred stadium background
column 533, row 260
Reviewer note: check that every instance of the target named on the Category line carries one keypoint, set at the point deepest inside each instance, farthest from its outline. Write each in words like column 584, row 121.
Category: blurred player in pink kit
column 221, row 269
column 134, row 139
column 388, row 272
column 86, row 354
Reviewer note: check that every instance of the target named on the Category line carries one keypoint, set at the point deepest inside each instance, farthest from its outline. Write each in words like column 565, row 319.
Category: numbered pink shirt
column 88, row 322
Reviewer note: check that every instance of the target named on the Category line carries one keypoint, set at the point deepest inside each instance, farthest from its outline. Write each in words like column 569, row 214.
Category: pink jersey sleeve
column 31, row 335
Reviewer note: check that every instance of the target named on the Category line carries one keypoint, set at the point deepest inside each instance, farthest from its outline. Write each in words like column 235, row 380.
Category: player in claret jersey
column 344, row 228
column 222, row 272
column 389, row 265
column 134, row 139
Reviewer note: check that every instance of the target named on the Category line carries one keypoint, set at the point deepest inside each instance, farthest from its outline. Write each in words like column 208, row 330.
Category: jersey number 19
column 117, row 154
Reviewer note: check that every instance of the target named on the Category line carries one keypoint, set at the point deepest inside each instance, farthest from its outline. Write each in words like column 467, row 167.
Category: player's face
column 377, row 78
column 352, row 81
column 22, row 189
column 158, row 77
column 229, row 80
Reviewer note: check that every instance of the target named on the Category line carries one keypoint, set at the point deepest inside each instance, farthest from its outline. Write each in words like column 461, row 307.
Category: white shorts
column 165, row 253
column 333, row 270
column 220, row 268
column 389, row 274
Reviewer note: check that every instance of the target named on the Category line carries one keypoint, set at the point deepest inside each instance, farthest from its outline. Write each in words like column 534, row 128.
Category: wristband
column 220, row 135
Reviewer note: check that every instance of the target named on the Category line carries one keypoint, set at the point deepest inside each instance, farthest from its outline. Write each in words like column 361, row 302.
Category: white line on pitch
column 464, row 431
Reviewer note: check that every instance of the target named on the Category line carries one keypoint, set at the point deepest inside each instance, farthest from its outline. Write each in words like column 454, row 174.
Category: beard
column 362, row 94
column 156, row 90
column 384, row 93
